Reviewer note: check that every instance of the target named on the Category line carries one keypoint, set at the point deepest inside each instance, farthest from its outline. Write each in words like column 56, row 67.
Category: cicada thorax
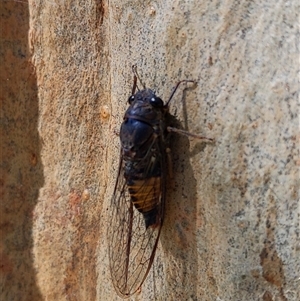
column 143, row 139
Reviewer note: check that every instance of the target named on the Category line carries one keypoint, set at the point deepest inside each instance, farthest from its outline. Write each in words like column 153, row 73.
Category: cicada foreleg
column 169, row 165
column 176, row 87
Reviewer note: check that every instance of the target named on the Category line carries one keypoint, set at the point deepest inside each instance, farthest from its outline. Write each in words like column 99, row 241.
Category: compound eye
column 131, row 99
column 156, row 102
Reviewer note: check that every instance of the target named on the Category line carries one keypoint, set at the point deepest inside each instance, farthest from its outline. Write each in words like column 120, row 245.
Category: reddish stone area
column 21, row 171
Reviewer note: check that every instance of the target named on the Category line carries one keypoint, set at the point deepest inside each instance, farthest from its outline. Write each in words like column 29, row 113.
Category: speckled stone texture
column 231, row 228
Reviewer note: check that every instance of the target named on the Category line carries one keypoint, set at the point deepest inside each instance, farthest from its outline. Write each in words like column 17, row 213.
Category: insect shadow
column 179, row 235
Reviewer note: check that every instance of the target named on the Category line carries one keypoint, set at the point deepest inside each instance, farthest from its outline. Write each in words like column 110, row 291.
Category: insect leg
column 169, row 165
column 176, row 87
column 182, row 132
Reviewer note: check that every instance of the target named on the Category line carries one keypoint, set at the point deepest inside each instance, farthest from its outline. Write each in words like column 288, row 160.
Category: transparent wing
column 131, row 246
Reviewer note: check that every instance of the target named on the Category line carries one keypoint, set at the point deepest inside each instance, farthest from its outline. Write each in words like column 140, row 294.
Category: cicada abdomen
column 139, row 196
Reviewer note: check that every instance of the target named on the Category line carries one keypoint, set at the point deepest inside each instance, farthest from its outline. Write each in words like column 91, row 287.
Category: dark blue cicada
column 137, row 205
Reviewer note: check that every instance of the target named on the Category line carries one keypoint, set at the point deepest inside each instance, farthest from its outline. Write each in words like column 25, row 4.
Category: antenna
column 136, row 77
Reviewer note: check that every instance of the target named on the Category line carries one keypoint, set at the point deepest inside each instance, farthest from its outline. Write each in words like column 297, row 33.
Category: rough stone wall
column 21, row 169
column 231, row 228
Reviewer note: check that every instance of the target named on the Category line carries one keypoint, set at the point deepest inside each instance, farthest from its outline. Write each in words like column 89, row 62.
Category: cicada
column 138, row 201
